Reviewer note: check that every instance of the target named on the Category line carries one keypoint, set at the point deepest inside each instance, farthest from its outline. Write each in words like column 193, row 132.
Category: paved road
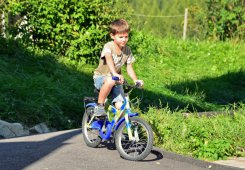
column 67, row 150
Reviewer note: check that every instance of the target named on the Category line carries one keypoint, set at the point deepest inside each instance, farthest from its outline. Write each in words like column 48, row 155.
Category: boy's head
column 119, row 26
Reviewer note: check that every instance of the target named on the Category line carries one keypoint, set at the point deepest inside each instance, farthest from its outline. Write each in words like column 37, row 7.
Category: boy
column 113, row 56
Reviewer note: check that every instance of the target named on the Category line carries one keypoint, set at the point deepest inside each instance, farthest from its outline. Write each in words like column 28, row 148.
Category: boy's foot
column 100, row 111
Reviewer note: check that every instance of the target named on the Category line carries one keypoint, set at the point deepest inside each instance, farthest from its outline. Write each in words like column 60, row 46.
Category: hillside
column 195, row 76
column 204, row 75
column 40, row 87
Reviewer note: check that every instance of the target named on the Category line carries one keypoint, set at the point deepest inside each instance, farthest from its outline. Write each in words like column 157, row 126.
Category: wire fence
column 2, row 25
column 157, row 16
column 179, row 26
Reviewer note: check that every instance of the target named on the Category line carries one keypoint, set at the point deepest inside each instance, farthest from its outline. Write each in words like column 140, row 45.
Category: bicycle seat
column 90, row 99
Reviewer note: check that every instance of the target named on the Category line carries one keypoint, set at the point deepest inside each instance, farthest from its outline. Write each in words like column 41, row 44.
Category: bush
column 225, row 19
column 73, row 28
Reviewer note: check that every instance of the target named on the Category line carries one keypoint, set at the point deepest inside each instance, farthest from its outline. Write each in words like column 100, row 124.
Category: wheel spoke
column 91, row 136
column 135, row 147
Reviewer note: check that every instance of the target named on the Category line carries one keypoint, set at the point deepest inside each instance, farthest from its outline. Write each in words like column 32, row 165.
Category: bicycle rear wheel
column 141, row 146
column 91, row 136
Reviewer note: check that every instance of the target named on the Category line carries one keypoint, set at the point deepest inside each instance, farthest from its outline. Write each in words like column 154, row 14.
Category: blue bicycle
column 133, row 136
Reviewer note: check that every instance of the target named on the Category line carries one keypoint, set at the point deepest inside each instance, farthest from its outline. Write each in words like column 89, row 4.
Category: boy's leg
column 105, row 90
column 118, row 96
column 105, row 84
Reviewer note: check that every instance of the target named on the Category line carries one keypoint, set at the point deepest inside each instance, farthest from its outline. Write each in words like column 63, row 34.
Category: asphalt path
column 66, row 150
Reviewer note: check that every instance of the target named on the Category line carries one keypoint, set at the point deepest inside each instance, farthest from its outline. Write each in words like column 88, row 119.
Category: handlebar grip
column 138, row 84
column 115, row 78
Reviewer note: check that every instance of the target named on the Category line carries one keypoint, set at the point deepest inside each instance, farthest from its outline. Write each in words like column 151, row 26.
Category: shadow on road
column 18, row 155
column 153, row 156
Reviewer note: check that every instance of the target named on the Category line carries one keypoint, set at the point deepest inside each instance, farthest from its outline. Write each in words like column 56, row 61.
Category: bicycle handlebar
column 137, row 85
column 128, row 88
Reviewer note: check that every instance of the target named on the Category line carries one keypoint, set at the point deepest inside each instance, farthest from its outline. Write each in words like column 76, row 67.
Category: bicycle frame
column 110, row 126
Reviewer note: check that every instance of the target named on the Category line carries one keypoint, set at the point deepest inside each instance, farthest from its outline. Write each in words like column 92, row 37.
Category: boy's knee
column 110, row 82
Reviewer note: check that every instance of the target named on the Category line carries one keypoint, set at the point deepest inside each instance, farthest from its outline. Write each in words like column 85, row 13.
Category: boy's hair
column 119, row 26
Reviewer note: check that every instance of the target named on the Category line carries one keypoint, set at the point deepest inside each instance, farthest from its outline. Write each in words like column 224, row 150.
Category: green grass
column 40, row 87
column 202, row 76
column 208, row 138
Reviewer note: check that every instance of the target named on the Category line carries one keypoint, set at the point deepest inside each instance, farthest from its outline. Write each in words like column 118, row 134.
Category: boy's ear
column 112, row 36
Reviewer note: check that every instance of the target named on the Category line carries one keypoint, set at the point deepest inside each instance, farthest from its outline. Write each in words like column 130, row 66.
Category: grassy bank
column 40, row 87
column 202, row 76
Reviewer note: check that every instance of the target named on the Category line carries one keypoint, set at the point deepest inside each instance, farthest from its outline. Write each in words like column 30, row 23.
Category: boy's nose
column 124, row 39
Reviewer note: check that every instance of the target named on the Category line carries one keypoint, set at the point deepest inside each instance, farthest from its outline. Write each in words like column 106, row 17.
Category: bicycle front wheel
column 141, row 145
column 90, row 135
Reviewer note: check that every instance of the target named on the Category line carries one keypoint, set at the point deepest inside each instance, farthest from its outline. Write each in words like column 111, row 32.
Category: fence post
column 3, row 25
column 185, row 23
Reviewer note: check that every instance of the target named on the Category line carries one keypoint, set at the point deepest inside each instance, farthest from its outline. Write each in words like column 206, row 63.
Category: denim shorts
column 117, row 91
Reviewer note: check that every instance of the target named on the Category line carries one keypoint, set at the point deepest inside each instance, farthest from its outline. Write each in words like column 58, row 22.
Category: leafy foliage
column 226, row 19
column 73, row 28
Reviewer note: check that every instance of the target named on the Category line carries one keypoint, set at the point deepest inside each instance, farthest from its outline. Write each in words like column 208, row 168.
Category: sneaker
column 100, row 111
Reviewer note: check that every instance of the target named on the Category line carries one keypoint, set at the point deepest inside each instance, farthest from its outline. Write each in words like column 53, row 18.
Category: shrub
column 226, row 19
column 73, row 28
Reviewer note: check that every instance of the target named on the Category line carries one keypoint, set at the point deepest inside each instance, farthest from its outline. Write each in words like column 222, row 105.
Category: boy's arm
column 110, row 63
column 131, row 73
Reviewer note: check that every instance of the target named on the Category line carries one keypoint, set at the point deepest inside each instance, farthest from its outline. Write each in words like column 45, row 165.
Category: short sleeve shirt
column 126, row 57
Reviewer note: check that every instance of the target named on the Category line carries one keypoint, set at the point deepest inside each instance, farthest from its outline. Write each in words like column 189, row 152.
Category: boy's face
column 120, row 39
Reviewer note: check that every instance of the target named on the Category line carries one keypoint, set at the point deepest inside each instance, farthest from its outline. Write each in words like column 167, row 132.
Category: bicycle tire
column 142, row 147
column 96, row 140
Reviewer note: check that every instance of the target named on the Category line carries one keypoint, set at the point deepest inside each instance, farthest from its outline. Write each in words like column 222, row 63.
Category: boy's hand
column 121, row 79
column 140, row 82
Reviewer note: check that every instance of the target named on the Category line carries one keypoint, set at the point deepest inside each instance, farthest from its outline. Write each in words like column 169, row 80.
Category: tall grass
column 208, row 138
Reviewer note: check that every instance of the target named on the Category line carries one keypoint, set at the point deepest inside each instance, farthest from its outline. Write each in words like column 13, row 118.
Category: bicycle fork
column 128, row 124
